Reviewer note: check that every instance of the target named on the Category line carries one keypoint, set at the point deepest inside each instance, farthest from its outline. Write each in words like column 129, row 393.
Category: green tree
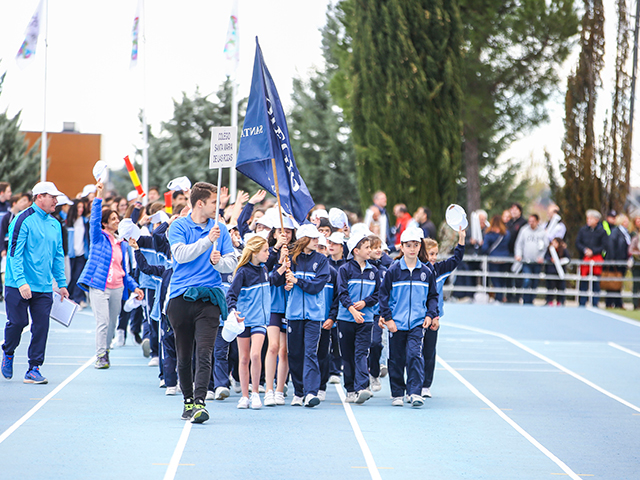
column 183, row 144
column 320, row 135
column 404, row 96
column 19, row 164
column 512, row 51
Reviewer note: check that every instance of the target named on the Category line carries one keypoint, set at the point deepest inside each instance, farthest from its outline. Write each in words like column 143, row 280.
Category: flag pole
column 215, row 244
column 43, row 139
column 233, row 173
column 275, row 178
column 145, row 133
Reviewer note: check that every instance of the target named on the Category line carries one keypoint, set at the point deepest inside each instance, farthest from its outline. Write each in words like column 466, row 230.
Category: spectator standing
column 403, row 220
column 618, row 250
column 34, row 259
column 496, row 244
column 530, row 248
column 5, row 197
column 590, row 243
column 634, row 251
column 423, row 219
column 514, row 225
column 380, row 203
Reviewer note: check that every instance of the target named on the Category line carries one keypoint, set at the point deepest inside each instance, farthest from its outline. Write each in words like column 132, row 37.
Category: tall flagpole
column 145, row 134
column 43, row 138
column 233, row 173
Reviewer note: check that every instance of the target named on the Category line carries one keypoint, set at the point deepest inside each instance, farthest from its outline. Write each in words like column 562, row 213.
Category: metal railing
column 572, row 277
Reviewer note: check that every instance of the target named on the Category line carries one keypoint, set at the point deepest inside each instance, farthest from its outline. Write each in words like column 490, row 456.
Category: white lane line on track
column 565, row 468
column 42, row 402
column 177, row 453
column 550, row 362
column 614, row 316
column 626, row 350
column 368, row 457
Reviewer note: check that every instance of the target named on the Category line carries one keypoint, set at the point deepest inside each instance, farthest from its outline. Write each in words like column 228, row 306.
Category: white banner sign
column 224, row 143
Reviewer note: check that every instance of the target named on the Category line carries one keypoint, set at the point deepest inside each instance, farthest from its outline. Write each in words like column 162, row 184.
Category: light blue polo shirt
column 198, row 272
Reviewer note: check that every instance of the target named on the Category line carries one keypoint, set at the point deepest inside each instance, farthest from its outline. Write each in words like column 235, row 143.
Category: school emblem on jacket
column 423, row 276
column 372, row 276
column 230, row 278
column 315, row 266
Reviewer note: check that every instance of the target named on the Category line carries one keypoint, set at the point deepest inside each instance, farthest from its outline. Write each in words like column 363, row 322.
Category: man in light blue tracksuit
column 34, row 258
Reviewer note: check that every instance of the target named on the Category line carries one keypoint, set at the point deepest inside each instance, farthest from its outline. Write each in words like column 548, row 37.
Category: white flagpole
column 43, row 138
column 145, row 134
column 233, row 173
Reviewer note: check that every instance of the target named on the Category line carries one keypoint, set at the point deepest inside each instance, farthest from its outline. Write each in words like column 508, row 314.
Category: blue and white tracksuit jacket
column 306, row 298
column 355, row 285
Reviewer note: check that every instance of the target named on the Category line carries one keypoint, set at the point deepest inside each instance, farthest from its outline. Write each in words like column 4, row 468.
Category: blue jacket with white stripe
column 408, row 296
column 306, row 298
column 442, row 270
column 250, row 294
column 331, row 296
column 355, row 285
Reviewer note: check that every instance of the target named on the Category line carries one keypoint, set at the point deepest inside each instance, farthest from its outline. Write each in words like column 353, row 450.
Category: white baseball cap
column 87, row 190
column 338, row 218
column 320, row 213
column 132, row 303
column 180, row 184
column 132, row 195
column 46, row 187
column 354, row 240
column 64, row 200
column 100, row 171
column 412, row 234
column 127, row 229
column 336, row 237
column 322, row 241
column 159, row 217
column 308, row 230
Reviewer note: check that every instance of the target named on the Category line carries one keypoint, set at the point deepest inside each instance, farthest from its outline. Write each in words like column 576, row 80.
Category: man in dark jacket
column 618, row 250
column 513, row 227
column 591, row 242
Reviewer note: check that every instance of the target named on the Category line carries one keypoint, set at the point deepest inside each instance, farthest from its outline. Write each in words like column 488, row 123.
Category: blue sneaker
column 7, row 366
column 33, row 376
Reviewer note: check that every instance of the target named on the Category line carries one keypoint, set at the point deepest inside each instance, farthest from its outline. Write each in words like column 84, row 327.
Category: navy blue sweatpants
column 375, row 352
column 17, row 318
column 429, row 354
column 302, row 340
column 169, row 357
column 355, row 340
column 405, row 351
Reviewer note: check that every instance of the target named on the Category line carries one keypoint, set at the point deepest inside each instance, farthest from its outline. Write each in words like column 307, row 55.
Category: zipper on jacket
column 410, row 295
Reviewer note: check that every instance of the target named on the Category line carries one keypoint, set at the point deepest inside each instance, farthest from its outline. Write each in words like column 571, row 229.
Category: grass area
column 632, row 314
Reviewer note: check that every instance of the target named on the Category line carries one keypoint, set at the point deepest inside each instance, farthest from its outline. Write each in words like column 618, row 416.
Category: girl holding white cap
column 305, row 312
column 250, row 294
column 277, row 356
column 408, row 305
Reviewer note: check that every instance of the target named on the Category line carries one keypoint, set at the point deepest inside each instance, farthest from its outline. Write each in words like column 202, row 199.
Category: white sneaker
column 334, row 379
column 221, row 393
column 118, row 340
column 351, row 397
column 243, row 402
column 256, row 404
column 311, row 400
column 397, row 402
column 171, row 391
column 162, row 385
column 269, row 399
column 146, row 347
column 210, row 395
column 363, row 396
column 296, row 401
column 279, row 398
column 236, row 385
column 383, row 371
column 322, row 395
column 426, row 392
column 416, row 401
column 261, row 389
column 376, row 386
column 154, row 362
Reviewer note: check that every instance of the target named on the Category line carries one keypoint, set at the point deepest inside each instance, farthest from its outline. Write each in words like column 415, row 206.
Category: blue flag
column 265, row 136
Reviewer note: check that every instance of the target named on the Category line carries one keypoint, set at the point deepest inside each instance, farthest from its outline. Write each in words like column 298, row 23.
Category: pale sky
column 89, row 81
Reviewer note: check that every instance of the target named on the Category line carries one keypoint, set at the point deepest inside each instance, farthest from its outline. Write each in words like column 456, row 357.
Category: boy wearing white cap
column 404, row 311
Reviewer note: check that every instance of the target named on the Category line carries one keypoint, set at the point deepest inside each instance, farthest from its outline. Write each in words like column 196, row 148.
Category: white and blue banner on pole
column 135, row 36
column 27, row 50
column 232, row 44
column 224, row 141
column 265, row 136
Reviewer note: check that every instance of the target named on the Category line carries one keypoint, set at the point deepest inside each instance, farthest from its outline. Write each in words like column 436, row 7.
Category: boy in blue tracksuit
column 408, row 305
column 305, row 313
column 429, row 254
column 329, row 326
column 358, row 285
column 250, row 296
column 380, row 260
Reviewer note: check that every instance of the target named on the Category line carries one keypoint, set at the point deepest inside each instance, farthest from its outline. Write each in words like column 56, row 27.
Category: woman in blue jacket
column 306, row 313
column 104, row 276
column 496, row 244
column 250, row 295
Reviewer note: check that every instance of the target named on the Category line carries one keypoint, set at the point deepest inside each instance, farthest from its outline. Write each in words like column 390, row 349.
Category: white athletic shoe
column 146, row 347
column 118, row 340
column 221, row 393
column 296, row 401
column 416, row 401
column 426, row 392
column 269, row 399
column 279, row 398
column 383, row 371
column 154, row 362
column 171, row 391
column 351, row 397
column 243, row 402
column 334, row 379
column 210, row 395
column 376, row 386
column 261, row 389
column 322, row 395
column 311, row 400
column 162, row 385
column 362, row 396
column 397, row 402
column 256, row 404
